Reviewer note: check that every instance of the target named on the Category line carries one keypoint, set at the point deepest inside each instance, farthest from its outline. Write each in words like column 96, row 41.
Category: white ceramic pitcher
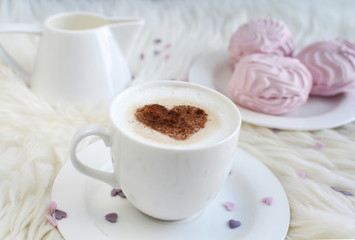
column 81, row 58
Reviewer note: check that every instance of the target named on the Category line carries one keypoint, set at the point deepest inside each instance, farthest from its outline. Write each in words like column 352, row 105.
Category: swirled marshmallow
column 270, row 84
column 332, row 65
column 261, row 36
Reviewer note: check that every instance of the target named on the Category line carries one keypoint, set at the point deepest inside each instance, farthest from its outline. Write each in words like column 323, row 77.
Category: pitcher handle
column 101, row 132
column 17, row 28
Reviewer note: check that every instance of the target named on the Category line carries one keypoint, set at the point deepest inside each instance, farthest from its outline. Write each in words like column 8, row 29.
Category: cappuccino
column 172, row 146
column 175, row 116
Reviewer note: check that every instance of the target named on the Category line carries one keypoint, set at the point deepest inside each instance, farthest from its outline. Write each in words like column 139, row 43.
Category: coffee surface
column 180, row 122
column 218, row 124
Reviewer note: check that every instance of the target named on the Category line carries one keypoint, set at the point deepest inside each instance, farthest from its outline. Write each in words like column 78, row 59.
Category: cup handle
column 101, row 132
column 17, row 28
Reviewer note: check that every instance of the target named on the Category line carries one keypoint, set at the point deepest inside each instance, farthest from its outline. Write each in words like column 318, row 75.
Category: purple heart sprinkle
column 111, row 217
column 121, row 194
column 114, row 192
column 117, row 191
column 234, row 223
column 156, row 52
column 142, row 56
column 59, row 214
column 346, row 193
column 275, row 130
column 157, row 41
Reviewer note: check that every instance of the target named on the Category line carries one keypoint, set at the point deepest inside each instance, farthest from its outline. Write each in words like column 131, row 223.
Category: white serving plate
column 214, row 70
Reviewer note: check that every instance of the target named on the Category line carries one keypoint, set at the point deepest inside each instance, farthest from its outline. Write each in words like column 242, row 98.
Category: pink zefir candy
column 332, row 65
column 270, row 84
column 261, row 36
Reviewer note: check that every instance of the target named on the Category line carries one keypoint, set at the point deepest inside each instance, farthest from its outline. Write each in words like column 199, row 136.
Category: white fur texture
column 34, row 138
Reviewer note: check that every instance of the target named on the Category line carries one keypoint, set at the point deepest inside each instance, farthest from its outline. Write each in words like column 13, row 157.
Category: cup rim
column 178, row 147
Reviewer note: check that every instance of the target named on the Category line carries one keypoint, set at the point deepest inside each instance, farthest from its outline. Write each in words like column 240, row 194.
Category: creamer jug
column 81, row 58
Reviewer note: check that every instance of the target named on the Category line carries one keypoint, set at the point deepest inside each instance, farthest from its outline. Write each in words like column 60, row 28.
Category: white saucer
column 87, row 201
column 214, row 70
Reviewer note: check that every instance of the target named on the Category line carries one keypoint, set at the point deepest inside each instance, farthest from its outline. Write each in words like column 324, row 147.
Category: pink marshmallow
column 261, row 36
column 270, row 84
column 332, row 65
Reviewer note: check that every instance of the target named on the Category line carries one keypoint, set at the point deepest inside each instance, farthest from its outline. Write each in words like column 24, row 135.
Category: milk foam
column 219, row 125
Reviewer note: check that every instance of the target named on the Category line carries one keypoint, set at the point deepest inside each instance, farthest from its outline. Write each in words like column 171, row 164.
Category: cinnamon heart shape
column 59, row 214
column 180, row 122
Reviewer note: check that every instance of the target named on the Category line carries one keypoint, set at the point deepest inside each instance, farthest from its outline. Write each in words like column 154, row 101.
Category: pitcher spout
column 125, row 32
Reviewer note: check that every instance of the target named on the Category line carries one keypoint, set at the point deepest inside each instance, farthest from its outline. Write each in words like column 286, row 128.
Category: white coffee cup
column 165, row 178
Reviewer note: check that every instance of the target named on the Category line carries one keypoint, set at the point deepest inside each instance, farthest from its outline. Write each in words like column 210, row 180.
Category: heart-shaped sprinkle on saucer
column 180, row 122
column 230, row 206
column 111, row 217
column 117, row 191
column 234, row 223
column 268, row 200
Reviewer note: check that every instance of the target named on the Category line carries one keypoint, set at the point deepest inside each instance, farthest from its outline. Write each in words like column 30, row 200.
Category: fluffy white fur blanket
column 34, row 137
